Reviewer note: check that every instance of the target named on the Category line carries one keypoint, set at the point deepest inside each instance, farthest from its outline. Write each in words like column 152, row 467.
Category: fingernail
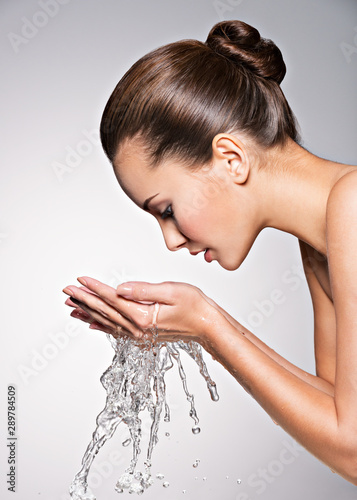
column 82, row 281
column 68, row 291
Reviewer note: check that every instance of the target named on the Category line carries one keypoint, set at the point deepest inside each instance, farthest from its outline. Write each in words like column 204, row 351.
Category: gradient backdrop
column 63, row 215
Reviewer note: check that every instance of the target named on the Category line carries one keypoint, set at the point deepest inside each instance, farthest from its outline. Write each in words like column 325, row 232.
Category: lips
column 208, row 256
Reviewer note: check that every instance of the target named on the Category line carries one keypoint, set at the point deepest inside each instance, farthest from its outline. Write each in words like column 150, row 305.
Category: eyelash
column 168, row 212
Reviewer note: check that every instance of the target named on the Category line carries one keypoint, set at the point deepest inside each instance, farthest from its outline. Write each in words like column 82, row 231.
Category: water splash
column 135, row 381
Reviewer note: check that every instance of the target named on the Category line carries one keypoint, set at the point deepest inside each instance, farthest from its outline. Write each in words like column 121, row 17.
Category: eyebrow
column 146, row 202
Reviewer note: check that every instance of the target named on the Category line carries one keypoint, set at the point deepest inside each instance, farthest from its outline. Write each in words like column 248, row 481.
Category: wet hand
column 184, row 312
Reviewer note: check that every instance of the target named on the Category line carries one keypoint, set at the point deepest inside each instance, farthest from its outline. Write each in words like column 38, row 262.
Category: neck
column 295, row 186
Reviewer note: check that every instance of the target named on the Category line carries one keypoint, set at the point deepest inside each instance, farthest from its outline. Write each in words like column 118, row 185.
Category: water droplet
column 165, row 484
column 183, row 491
column 126, row 442
column 205, row 479
column 196, row 478
column 125, row 480
column 118, row 489
column 196, row 463
column 167, row 434
column 239, row 481
column 136, row 488
column 196, row 429
column 213, row 391
column 160, row 475
column 227, row 477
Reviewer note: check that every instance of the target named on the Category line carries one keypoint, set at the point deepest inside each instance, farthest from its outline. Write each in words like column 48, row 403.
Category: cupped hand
column 183, row 311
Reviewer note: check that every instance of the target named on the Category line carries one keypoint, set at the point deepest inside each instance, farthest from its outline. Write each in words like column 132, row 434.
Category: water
column 135, row 381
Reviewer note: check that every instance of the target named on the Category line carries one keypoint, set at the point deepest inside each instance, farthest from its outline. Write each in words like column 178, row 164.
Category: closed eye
column 168, row 212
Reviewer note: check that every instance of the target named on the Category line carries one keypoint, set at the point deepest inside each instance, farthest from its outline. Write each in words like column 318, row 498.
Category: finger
column 101, row 311
column 95, row 325
column 70, row 303
column 140, row 291
column 82, row 315
column 105, row 292
column 140, row 314
column 86, row 289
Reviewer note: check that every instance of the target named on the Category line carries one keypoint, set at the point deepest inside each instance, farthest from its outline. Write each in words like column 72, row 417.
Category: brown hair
column 179, row 96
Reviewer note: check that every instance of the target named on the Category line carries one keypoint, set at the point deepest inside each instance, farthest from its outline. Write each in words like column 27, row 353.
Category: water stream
column 135, row 381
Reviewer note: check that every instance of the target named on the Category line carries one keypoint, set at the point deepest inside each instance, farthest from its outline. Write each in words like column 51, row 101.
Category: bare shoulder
column 341, row 218
column 341, row 238
column 343, row 193
column 338, row 269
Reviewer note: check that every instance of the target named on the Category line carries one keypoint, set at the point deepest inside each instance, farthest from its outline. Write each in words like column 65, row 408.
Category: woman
column 201, row 136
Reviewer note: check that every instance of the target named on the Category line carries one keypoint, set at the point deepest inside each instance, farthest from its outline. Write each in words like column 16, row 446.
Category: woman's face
column 203, row 210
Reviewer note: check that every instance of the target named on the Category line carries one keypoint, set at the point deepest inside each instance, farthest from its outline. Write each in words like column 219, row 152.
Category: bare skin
column 223, row 208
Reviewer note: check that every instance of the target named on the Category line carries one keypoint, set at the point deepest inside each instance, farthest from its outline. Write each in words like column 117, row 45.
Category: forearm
column 307, row 413
column 313, row 380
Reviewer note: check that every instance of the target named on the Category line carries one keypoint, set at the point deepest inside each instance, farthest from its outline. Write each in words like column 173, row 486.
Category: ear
column 229, row 150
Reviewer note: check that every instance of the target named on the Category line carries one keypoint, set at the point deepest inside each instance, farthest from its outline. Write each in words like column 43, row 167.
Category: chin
column 230, row 261
column 228, row 266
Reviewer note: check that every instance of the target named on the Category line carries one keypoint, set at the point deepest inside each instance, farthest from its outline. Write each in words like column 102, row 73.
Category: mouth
column 208, row 255
column 196, row 253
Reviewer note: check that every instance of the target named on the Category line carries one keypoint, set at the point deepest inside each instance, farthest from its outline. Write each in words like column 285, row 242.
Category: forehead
column 138, row 179
column 133, row 160
column 129, row 153
column 131, row 164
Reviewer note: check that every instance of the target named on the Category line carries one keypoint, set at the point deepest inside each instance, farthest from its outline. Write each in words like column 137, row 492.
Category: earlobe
column 229, row 150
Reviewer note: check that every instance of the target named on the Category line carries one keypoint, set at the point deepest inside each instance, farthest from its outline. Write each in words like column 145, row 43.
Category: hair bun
column 242, row 44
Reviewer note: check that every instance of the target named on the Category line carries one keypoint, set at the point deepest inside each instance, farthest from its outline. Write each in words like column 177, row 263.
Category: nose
column 174, row 239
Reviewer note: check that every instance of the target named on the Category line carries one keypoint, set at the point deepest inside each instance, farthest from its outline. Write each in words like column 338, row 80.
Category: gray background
column 54, row 227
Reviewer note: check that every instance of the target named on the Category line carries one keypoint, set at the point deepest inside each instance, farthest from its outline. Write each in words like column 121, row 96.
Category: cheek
column 193, row 222
column 202, row 224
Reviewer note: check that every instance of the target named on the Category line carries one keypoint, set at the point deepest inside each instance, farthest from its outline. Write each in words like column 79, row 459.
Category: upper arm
column 324, row 319
column 341, row 223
